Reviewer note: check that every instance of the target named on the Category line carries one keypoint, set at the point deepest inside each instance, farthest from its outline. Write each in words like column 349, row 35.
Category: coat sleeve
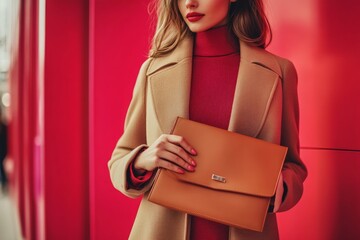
column 294, row 171
column 133, row 139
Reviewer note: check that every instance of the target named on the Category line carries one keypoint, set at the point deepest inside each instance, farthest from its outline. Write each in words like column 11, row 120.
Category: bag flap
column 230, row 161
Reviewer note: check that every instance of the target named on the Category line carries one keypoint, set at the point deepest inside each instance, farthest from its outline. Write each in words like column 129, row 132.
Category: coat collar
column 182, row 51
column 185, row 50
column 170, row 81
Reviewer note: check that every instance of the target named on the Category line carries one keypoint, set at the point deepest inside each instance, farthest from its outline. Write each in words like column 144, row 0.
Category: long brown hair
column 247, row 20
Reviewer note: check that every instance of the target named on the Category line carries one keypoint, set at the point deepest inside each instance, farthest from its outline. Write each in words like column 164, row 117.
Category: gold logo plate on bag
column 218, row 178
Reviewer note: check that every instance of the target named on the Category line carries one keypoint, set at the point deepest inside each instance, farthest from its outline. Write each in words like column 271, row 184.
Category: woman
column 208, row 64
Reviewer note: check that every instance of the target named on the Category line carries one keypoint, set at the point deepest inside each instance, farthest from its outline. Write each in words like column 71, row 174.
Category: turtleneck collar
column 215, row 42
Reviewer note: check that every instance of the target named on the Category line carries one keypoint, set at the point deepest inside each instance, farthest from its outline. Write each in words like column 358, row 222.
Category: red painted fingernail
column 193, row 163
column 193, row 151
column 181, row 171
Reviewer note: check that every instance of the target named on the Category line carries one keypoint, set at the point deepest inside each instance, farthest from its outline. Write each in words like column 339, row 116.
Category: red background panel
column 120, row 44
column 330, row 206
column 66, row 165
column 320, row 38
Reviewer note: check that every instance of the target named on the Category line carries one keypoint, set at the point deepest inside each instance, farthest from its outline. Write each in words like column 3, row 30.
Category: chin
column 197, row 29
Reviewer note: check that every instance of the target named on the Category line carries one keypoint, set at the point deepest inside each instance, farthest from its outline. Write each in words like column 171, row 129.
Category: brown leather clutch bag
column 235, row 177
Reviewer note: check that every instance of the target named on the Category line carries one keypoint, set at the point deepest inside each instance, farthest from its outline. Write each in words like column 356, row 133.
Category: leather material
column 250, row 167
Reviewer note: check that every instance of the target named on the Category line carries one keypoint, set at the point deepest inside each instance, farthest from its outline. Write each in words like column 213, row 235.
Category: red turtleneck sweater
column 215, row 67
column 216, row 62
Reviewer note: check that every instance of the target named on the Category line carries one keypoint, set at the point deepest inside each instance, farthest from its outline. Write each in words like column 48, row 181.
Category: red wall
column 93, row 53
column 49, row 119
column 66, row 166
column 120, row 45
column 320, row 37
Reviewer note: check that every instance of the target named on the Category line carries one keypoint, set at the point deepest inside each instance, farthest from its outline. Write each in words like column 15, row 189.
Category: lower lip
column 194, row 18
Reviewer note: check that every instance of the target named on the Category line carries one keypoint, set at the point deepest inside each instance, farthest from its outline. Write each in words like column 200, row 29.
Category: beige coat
column 265, row 106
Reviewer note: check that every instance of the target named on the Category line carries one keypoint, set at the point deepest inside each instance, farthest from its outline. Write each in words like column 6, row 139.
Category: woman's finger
column 180, row 152
column 169, row 165
column 180, row 140
column 173, row 158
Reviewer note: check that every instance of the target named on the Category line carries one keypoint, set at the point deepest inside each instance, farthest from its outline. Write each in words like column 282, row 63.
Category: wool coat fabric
column 265, row 106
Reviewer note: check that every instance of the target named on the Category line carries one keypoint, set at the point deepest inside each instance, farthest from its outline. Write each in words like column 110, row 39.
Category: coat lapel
column 170, row 81
column 257, row 81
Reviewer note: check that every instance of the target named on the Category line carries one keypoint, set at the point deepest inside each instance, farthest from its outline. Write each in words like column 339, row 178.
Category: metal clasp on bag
column 218, row 178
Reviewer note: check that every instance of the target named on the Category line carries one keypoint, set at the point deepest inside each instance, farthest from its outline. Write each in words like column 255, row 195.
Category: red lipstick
column 194, row 16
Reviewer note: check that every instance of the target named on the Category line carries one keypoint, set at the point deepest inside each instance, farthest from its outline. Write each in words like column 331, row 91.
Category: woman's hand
column 168, row 151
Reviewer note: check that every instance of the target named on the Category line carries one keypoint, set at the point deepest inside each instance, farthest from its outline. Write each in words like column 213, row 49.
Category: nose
column 191, row 4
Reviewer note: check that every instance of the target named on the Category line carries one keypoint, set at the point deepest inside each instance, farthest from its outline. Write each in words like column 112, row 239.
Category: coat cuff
column 137, row 181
